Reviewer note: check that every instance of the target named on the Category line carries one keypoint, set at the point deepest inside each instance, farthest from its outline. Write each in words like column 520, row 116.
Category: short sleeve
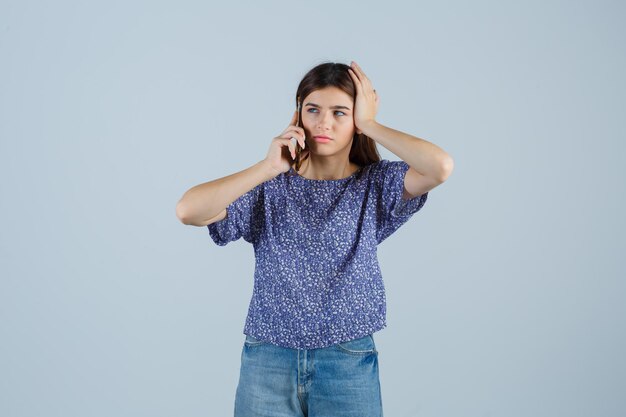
column 393, row 211
column 244, row 218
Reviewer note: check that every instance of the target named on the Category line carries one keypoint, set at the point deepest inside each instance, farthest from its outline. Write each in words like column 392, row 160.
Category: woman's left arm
column 429, row 164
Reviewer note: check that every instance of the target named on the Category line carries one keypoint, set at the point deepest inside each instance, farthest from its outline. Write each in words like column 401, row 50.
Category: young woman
column 315, row 209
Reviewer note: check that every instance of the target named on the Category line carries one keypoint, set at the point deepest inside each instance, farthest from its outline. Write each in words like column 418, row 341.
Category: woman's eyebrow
column 332, row 107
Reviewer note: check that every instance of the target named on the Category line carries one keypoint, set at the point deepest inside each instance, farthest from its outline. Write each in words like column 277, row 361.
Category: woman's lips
column 321, row 139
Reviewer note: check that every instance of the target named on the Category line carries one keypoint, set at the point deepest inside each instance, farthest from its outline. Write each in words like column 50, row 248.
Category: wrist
column 368, row 128
column 266, row 168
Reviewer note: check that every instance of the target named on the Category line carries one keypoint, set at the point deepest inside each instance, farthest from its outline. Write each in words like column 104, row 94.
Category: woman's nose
column 325, row 121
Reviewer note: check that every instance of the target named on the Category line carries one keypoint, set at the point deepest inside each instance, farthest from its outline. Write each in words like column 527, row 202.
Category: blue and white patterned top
column 317, row 281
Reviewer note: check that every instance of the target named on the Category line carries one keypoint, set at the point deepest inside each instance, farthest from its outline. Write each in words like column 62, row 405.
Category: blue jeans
column 335, row 381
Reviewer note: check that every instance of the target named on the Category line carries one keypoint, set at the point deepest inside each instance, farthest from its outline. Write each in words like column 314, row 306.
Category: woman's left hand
column 366, row 101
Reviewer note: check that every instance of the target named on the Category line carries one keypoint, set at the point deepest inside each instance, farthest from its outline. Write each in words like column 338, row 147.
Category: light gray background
column 506, row 293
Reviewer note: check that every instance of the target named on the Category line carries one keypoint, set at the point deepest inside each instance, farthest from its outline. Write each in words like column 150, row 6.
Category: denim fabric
column 336, row 381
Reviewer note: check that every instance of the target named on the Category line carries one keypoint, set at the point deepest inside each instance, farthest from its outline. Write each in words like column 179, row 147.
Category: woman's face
column 328, row 112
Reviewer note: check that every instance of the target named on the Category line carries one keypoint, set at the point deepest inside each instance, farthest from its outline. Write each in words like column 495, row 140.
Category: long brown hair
column 331, row 74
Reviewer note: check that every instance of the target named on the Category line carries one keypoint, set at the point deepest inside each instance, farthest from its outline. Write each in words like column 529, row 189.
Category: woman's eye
column 336, row 111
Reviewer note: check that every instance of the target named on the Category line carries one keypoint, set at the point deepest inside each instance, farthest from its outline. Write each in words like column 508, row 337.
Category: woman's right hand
column 282, row 151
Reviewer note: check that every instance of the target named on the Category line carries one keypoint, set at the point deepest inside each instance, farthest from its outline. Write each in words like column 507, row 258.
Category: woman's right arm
column 206, row 203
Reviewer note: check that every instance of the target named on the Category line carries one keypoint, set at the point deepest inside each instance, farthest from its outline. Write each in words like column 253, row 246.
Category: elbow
column 446, row 168
column 181, row 213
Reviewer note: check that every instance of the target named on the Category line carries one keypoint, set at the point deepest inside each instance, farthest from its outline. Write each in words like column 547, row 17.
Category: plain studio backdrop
column 506, row 292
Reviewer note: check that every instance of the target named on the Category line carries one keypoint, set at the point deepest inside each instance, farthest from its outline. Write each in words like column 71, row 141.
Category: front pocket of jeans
column 251, row 341
column 361, row 346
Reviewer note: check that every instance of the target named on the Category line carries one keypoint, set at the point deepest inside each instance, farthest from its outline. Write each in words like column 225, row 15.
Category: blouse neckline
column 319, row 181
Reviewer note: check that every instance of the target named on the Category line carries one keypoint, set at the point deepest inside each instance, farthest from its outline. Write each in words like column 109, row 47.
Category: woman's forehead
column 329, row 96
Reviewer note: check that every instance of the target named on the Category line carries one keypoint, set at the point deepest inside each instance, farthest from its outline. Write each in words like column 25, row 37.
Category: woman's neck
column 327, row 168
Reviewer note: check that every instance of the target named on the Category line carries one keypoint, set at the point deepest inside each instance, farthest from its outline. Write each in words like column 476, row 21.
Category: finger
column 295, row 131
column 294, row 118
column 357, row 82
column 292, row 131
column 294, row 128
column 359, row 71
column 291, row 146
column 302, row 140
column 362, row 77
column 294, row 140
column 363, row 85
column 354, row 75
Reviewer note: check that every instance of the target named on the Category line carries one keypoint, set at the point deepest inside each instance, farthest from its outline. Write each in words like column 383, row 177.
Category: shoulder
column 276, row 187
column 385, row 164
column 384, row 168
